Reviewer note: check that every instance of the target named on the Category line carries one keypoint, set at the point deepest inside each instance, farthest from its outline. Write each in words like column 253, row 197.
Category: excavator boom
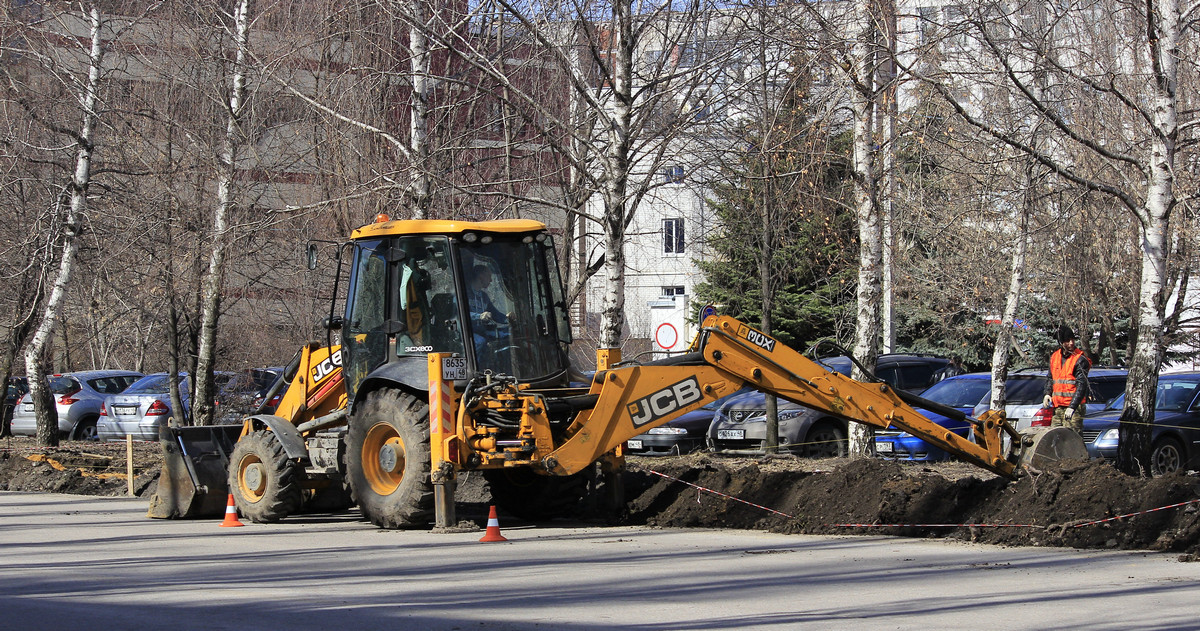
column 727, row 355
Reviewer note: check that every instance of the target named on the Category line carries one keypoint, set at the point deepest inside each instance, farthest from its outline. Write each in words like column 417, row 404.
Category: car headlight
column 1109, row 436
column 667, row 430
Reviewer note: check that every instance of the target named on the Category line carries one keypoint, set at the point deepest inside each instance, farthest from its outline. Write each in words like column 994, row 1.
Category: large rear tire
column 533, row 497
column 265, row 484
column 388, row 460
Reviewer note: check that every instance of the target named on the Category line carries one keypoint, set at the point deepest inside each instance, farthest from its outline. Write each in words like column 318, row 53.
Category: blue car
column 1175, row 437
column 961, row 392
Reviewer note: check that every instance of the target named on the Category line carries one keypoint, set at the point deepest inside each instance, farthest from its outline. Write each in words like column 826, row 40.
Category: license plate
column 124, row 409
column 731, row 434
column 454, row 368
column 28, row 407
column 634, row 444
column 885, row 448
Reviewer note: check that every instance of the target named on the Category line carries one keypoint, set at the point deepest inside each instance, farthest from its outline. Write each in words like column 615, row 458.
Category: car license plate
column 731, row 434
column 885, row 448
column 634, row 444
column 28, row 407
column 124, row 409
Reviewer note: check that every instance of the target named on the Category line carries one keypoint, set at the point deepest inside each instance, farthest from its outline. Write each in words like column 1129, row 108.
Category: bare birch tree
column 1128, row 69
column 82, row 72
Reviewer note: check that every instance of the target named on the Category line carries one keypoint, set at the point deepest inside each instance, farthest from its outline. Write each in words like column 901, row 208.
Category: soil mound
column 1073, row 506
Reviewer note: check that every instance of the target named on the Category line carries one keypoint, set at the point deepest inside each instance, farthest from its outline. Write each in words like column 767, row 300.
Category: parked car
column 1175, row 437
column 79, row 397
column 263, row 379
column 961, row 392
column 16, row 388
column 680, row 436
column 142, row 409
column 740, row 426
column 1024, row 391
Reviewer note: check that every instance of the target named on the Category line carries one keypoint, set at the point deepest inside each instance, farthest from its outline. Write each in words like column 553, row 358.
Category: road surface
column 73, row 562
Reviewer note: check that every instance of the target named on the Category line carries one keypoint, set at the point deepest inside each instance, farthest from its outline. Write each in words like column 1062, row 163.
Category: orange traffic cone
column 493, row 528
column 231, row 519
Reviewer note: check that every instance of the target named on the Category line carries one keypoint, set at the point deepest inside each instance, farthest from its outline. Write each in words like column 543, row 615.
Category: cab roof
column 401, row 227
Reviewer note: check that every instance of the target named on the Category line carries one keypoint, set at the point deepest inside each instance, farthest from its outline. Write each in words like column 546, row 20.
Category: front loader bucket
column 193, row 481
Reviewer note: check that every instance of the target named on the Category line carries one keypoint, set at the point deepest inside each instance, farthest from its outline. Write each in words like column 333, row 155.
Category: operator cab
column 487, row 291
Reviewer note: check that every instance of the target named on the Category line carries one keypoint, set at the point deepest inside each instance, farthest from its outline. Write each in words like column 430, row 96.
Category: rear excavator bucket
column 1047, row 447
column 193, row 481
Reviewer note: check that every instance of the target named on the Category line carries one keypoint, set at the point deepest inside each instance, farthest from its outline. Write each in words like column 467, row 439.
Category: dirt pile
column 1051, row 508
column 78, row 468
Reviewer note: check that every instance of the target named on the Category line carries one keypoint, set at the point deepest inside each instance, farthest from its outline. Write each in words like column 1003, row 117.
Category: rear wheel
column 533, row 497
column 388, row 460
column 1167, row 457
column 264, row 482
column 85, row 430
column 825, row 440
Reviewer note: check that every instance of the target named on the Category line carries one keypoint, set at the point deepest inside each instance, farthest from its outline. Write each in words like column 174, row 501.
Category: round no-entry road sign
column 666, row 336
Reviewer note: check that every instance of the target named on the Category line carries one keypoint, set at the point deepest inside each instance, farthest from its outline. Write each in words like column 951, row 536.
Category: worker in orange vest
column 1067, row 388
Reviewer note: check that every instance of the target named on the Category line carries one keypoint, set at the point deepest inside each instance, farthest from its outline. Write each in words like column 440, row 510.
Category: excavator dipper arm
column 729, row 354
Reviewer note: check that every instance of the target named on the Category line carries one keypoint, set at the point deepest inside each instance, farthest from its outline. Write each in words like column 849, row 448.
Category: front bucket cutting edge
column 193, row 482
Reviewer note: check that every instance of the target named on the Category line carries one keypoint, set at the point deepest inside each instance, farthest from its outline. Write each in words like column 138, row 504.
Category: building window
column 673, row 290
column 673, row 236
column 673, row 174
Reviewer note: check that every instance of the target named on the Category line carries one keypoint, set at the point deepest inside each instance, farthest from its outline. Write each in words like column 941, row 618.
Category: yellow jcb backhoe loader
column 453, row 358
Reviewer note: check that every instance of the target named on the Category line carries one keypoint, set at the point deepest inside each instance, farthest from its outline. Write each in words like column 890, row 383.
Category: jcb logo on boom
column 665, row 401
column 761, row 340
column 326, row 367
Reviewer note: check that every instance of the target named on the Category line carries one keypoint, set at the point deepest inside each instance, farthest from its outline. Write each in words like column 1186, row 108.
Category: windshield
column 64, row 385
column 958, row 393
column 1174, row 395
column 515, row 315
column 154, row 384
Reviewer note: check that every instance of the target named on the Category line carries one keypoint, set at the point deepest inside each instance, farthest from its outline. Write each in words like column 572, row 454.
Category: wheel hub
column 254, row 479
column 389, row 460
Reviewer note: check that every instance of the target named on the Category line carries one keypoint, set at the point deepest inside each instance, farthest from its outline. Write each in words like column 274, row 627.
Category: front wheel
column 264, row 482
column 1167, row 457
column 388, row 460
column 826, row 441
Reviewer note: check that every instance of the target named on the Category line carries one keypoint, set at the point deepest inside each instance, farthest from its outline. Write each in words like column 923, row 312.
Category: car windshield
column 112, row 385
column 958, row 393
column 1174, row 395
column 64, row 385
column 154, row 384
column 1025, row 390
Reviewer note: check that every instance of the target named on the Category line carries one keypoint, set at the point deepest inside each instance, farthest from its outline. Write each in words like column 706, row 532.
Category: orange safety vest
column 1063, row 375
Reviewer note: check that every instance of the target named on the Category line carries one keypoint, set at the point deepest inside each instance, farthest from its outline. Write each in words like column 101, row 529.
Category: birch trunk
column 76, row 193
column 419, row 66
column 204, row 389
column 617, row 165
column 1133, row 452
column 1012, row 298
column 870, row 226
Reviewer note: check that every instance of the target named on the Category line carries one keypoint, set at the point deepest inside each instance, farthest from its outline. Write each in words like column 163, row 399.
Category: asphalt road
column 72, row 562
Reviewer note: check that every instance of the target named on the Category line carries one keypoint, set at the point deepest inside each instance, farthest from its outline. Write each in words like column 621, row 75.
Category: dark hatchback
column 1175, row 437
column 680, row 436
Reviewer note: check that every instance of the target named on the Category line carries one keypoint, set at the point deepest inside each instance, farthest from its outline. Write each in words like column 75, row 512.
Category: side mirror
column 312, row 256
